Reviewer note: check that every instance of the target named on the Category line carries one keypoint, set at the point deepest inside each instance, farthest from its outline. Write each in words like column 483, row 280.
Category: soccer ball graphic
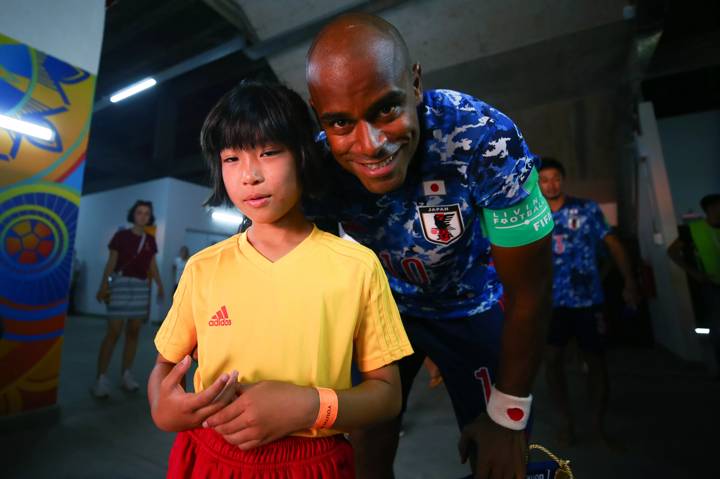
column 29, row 242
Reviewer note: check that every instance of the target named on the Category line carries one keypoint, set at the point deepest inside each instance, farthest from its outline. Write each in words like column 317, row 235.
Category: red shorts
column 203, row 453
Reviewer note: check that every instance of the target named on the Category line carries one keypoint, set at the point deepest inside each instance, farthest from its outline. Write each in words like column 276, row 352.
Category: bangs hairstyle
column 138, row 203
column 255, row 114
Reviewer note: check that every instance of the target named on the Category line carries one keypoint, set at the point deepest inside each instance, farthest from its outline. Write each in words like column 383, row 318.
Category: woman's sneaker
column 128, row 382
column 101, row 389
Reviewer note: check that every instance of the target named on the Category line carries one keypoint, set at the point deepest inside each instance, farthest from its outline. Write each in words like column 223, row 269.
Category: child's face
column 262, row 182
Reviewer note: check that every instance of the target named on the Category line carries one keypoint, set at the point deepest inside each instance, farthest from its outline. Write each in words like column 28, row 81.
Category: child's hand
column 176, row 410
column 265, row 412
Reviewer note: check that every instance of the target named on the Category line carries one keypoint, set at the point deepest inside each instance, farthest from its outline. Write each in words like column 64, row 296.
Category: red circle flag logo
column 516, row 414
column 434, row 188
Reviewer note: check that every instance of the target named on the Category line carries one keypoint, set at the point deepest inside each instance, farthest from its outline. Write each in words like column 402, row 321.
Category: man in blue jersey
column 580, row 230
column 444, row 189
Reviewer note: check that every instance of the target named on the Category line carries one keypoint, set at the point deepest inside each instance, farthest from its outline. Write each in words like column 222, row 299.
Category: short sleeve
column 177, row 336
column 599, row 223
column 153, row 244
column 380, row 338
column 115, row 242
column 501, row 165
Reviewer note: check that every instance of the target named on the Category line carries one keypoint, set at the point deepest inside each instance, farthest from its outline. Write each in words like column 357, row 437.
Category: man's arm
column 675, row 252
column 109, row 268
column 155, row 274
column 631, row 293
column 526, row 274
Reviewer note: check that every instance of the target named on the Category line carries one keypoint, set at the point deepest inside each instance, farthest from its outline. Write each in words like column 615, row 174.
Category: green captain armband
column 523, row 223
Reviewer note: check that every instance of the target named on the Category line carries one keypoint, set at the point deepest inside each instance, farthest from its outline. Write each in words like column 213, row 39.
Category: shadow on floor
column 663, row 412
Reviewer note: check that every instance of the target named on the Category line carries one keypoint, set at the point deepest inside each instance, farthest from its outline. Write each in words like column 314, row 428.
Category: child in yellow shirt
column 283, row 307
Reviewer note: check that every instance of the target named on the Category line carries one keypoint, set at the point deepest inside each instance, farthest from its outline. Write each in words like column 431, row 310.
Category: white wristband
column 509, row 411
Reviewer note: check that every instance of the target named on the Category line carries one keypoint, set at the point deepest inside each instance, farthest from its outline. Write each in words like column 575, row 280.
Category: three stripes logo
column 220, row 318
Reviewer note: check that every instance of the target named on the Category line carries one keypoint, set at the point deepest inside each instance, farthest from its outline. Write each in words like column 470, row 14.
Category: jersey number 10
column 413, row 269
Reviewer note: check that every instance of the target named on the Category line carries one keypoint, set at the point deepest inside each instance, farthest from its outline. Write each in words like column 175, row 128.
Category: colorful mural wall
column 40, row 186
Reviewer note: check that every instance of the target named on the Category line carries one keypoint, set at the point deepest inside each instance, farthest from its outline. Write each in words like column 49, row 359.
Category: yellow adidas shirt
column 299, row 319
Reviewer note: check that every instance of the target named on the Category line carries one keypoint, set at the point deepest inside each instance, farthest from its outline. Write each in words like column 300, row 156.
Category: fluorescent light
column 702, row 330
column 26, row 128
column 222, row 217
column 133, row 89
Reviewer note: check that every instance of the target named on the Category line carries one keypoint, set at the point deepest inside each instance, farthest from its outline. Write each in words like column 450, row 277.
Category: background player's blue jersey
column 428, row 233
column 579, row 228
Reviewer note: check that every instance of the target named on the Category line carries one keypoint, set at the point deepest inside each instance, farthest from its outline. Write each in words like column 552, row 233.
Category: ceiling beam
column 693, row 53
column 192, row 63
column 234, row 14
column 262, row 49
column 148, row 19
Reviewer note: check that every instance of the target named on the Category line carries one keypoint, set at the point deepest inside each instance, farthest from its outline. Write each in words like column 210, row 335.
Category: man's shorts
column 466, row 351
column 587, row 325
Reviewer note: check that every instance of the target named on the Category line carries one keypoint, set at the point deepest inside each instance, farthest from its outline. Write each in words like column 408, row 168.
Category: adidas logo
column 220, row 318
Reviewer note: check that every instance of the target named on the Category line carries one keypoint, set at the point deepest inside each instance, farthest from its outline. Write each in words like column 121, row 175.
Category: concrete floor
column 654, row 398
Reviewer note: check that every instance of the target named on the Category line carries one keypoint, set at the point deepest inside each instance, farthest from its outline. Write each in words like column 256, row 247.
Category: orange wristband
column 327, row 414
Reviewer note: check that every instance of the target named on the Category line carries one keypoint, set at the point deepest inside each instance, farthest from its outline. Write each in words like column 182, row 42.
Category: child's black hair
column 138, row 203
column 253, row 114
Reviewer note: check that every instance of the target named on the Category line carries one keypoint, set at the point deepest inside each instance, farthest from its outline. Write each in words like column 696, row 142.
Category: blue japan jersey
column 579, row 228
column 428, row 233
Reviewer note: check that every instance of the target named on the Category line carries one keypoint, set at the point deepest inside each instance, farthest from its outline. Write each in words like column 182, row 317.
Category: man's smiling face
column 366, row 101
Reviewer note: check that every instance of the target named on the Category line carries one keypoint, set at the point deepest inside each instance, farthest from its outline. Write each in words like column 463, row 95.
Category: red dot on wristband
column 516, row 414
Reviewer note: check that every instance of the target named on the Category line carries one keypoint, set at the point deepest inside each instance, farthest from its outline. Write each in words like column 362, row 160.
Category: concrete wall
column 71, row 30
column 691, row 145
column 177, row 206
column 671, row 311
column 184, row 212
column 468, row 30
column 582, row 134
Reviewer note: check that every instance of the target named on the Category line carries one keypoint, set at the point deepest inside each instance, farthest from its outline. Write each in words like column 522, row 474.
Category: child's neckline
column 261, row 260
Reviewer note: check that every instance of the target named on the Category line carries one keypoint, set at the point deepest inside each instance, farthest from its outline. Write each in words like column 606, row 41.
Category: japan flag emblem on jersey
column 441, row 224
column 575, row 221
column 434, row 188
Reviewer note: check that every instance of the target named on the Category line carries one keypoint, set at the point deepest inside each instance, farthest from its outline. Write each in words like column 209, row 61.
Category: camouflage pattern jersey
column 428, row 234
column 579, row 230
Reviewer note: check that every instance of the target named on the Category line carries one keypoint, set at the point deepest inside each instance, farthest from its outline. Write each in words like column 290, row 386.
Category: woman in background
column 125, row 288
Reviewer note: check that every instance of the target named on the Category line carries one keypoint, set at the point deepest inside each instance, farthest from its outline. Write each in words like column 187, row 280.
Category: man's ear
column 417, row 82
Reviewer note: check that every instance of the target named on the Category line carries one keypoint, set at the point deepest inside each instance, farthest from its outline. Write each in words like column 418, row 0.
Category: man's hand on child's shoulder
column 264, row 412
column 176, row 410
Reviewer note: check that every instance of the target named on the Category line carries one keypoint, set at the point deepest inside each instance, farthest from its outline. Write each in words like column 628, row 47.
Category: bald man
column 444, row 189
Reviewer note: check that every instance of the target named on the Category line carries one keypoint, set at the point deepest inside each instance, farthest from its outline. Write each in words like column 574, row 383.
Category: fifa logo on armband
column 542, row 222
